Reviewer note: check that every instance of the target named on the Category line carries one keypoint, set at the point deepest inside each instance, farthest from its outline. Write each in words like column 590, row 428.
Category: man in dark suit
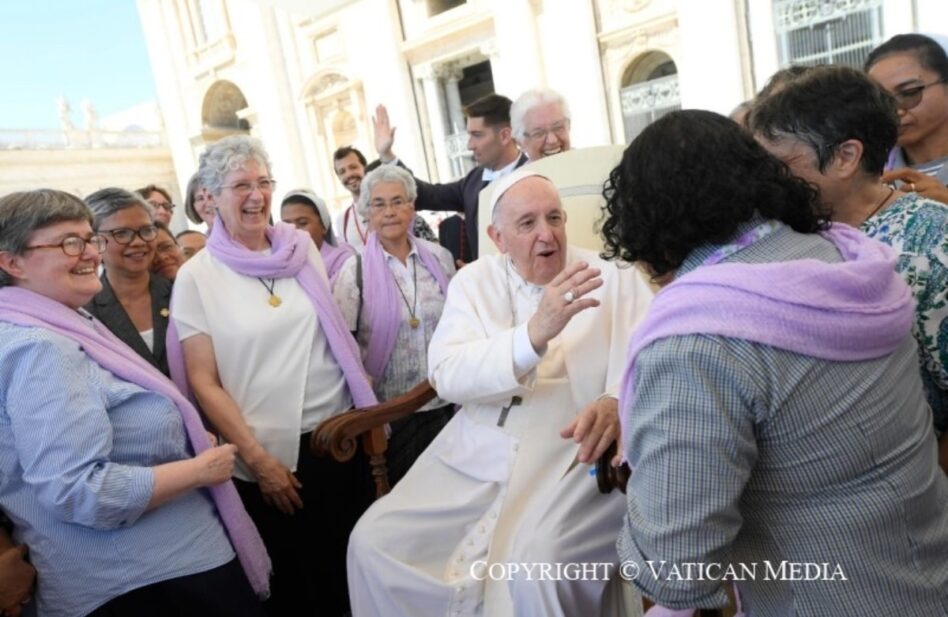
column 495, row 151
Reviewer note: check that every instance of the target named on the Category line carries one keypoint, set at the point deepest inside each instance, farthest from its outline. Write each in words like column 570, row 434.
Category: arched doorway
column 219, row 113
column 336, row 111
column 649, row 90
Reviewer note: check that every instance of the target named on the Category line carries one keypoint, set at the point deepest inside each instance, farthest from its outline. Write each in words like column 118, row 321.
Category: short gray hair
column 527, row 101
column 385, row 173
column 106, row 202
column 227, row 155
column 23, row 213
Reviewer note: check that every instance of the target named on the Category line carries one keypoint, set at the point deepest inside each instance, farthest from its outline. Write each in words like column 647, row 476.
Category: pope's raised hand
column 562, row 298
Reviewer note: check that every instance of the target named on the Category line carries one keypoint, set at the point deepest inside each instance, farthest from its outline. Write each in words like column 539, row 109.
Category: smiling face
column 531, row 228
column 168, row 256
column 390, row 212
column 73, row 281
column 134, row 257
column 245, row 216
column 303, row 217
column 163, row 208
column 545, row 131
column 928, row 120
column 350, row 171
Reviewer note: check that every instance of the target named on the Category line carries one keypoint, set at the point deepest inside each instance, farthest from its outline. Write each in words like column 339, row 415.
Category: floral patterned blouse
column 917, row 228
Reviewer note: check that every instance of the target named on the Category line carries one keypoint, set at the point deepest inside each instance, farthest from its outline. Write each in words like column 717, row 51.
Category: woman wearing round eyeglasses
column 914, row 69
column 133, row 303
column 269, row 357
column 105, row 468
column 392, row 297
column 159, row 199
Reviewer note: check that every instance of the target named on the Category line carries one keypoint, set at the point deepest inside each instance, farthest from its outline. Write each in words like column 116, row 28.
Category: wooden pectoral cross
column 505, row 410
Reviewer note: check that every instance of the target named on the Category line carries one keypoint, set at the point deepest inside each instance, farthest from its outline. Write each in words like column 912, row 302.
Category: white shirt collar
column 492, row 174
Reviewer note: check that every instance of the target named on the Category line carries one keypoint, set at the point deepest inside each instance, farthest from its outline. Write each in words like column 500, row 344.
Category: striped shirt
column 76, row 449
column 747, row 454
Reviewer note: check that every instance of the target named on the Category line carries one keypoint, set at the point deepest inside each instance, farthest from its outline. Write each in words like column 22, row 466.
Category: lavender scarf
column 334, row 256
column 382, row 299
column 26, row 308
column 859, row 309
column 289, row 257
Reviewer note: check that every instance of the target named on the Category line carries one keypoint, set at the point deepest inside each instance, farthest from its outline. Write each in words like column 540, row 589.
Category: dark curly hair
column 827, row 106
column 690, row 179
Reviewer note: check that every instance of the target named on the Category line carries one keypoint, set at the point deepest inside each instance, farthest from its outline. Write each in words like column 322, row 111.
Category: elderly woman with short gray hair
column 392, row 297
column 134, row 302
column 105, row 468
column 268, row 356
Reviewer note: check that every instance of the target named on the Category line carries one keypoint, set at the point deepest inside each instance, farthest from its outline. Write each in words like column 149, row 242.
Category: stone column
column 434, row 100
column 452, row 74
column 518, row 48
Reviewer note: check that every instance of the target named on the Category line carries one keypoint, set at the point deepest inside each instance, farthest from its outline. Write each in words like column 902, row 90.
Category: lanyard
column 345, row 224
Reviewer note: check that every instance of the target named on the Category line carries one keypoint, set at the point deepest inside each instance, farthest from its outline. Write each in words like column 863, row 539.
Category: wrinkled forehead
column 550, row 112
column 534, row 194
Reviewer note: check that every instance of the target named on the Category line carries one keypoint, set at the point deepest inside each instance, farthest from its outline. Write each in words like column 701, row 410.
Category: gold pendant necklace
column 274, row 300
column 413, row 320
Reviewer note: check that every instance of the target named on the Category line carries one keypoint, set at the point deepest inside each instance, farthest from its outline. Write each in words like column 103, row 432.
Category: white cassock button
column 516, row 447
column 481, row 528
column 459, row 589
column 493, row 515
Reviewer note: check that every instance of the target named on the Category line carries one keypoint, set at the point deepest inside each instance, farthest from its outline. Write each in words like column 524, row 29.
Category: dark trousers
column 308, row 547
column 410, row 437
column 221, row 592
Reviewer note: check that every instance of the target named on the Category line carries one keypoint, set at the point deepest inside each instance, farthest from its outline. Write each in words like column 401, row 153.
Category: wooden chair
column 339, row 435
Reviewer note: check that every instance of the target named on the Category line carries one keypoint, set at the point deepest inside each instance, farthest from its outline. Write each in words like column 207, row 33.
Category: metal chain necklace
column 274, row 300
column 414, row 322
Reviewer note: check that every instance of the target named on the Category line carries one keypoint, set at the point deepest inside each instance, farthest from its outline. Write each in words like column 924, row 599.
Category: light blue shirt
column 77, row 446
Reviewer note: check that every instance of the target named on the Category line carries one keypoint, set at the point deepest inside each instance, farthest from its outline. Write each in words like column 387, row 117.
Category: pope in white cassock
column 532, row 344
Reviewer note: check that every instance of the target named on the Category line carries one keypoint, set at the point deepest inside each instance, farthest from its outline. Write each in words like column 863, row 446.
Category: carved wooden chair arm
column 337, row 436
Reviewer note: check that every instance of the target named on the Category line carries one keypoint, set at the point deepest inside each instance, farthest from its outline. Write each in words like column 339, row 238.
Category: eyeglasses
column 559, row 129
column 246, row 188
column 380, row 205
column 166, row 247
column 125, row 235
column 169, row 207
column 74, row 246
column 909, row 98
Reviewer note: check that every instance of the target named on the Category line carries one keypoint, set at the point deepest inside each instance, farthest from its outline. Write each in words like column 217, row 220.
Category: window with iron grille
column 813, row 32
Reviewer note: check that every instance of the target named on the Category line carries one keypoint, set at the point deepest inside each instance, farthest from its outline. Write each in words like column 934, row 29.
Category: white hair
column 385, row 173
column 529, row 100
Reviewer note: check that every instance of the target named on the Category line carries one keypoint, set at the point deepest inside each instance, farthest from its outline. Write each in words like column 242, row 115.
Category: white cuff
column 525, row 357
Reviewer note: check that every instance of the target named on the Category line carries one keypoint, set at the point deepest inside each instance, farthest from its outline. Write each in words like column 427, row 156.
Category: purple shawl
column 382, row 302
column 334, row 256
column 289, row 257
column 859, row 309
column 27, row 308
